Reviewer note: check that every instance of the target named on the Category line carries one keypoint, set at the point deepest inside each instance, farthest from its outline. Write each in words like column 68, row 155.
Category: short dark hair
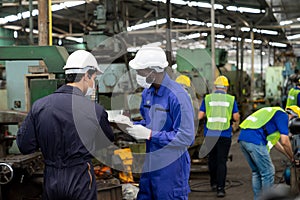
column 71, row 78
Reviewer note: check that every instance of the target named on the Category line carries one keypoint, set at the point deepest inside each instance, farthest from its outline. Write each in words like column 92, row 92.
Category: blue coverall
column 168, row 112
column 66, row 127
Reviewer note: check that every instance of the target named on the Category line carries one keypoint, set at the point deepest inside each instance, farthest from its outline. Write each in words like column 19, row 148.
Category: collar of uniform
column 69, row 89
column 220, row 91
column 162, row 88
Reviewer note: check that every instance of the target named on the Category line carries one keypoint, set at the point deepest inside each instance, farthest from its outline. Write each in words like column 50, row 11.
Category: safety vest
column 218, row 110
column 258, row 119
column 292, row 97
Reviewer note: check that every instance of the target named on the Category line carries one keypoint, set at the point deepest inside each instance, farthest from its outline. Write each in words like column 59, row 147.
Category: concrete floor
column 238, row 177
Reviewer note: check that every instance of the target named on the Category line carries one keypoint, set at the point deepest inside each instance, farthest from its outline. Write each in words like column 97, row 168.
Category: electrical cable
column 205, row 186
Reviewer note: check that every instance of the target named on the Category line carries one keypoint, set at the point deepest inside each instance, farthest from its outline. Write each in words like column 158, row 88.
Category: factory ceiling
column 275, row 21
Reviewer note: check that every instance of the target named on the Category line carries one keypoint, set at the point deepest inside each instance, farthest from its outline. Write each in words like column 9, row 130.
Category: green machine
column 196, row 63
column 40, row 80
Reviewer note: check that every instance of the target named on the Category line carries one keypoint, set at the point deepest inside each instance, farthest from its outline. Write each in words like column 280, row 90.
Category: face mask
column 142, row 81
column 90, row 91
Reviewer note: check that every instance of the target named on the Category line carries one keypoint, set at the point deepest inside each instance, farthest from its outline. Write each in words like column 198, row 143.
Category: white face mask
column 141, row 80
column 90, row 91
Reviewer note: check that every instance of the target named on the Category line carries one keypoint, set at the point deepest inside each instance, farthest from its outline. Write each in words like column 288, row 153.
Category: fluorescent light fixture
column 220, row 36
column 244, row 9
column 191, row 36
column 15, row 34
column 193, row 22
column 215, row 25
column 179, row 2
column 235, row 38
column 292, row 37
column 298, row 19
column 11, row 18
column 3, row 21
column 277, row 44
column 147, row 24
column 34, row 31
column 232, row 8
column 204, row 5
column 268, row 32
column 204, row 34
column 245, row 29
column 163, row 1
column 249, row 10
column 282, row 23
column 228, row 27
column 262, row 31
column 13, row 27
column 67, row 4
column 183, row 21
column 79, row 40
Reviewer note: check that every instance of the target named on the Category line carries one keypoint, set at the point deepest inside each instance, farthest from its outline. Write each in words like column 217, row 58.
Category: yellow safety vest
column 258, row 119
column 218, row 110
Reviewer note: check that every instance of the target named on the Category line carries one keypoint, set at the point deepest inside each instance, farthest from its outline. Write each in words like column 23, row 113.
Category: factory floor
column 238, row 184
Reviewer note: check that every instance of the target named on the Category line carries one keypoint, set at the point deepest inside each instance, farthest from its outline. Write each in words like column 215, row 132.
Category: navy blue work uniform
column 168, row 112
column 66, row 126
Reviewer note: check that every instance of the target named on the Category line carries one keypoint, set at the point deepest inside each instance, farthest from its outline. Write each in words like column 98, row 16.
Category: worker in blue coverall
column 294, row 95
column 66, row 127
column 219, row 108
column 167, row 126
column 260, row 131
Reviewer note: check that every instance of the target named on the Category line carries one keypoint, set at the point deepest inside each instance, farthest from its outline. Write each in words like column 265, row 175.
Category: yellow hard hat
column 221, row 81
column 184, row 80
column 294, row 109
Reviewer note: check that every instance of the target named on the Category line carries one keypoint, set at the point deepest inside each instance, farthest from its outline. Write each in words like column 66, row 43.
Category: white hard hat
column 81, row 61
column 150, row 57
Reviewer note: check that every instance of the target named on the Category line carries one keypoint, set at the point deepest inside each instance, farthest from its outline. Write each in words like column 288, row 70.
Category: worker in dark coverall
column 167, row 127
column 66, row 127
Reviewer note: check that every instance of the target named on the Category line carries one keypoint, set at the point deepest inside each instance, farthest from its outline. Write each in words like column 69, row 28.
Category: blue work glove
column 139, row 132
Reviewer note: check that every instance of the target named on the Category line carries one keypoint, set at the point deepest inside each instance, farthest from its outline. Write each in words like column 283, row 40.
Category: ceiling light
column 147, row 24
column 183, row 21
column 282, row 23
column 79, row 40
column 245, row 29
column 249, row 10
column 179, row 2
column 15, row 34
column 244, row 9
column 193, row 22
column 292, row 37
column 268, row 32
column 232, row 8
column 277, row 44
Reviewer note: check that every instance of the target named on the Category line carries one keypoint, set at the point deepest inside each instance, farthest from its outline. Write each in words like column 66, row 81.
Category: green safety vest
column 292, row 97
column 258, row 119
column 218, row 110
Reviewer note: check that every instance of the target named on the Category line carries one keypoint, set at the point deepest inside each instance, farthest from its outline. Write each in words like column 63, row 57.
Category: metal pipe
column 237, row 85
column 213, row 62
column 30, row 23
column 252, row 64
column 242, row 63
column 168, row 32
column 261, row 65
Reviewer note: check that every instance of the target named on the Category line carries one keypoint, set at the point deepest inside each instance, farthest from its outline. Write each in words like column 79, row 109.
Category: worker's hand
column 139, row 132
column 122, row 119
